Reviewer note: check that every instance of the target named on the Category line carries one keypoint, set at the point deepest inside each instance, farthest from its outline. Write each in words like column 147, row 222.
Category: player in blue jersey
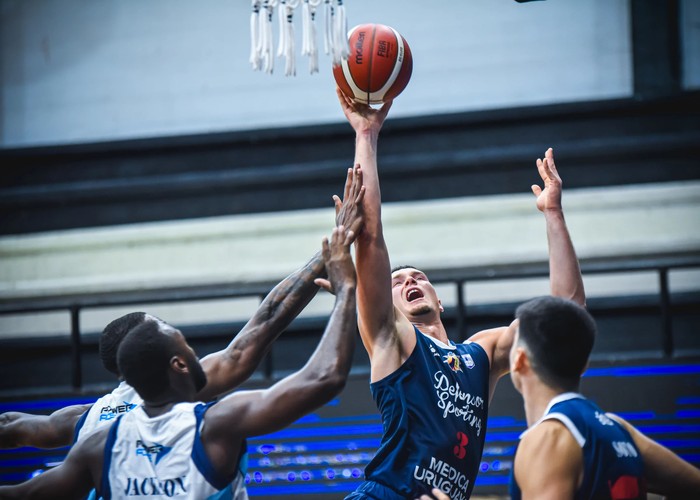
column 572, row 448
column 225, row 369
column 433, row 395
column 173, row 446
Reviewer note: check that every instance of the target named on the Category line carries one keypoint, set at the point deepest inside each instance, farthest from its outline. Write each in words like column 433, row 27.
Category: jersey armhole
column 569, row 425
column 105, row 491
column 199, row 454
column 79, row 425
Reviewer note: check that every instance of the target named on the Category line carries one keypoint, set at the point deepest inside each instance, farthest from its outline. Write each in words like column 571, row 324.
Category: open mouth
column 413, row 294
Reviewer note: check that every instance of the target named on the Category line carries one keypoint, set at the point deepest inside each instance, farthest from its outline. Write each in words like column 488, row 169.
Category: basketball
column 379, row 65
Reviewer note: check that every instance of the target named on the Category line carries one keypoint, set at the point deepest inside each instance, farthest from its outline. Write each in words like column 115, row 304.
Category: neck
column 537, row 397
column 433, row 328
column 163, row 403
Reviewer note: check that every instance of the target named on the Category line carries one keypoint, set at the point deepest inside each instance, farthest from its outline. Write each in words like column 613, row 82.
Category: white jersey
column 163, row 457
column 121, row 400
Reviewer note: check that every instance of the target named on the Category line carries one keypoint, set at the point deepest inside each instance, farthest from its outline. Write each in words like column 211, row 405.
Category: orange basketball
column 379, row 65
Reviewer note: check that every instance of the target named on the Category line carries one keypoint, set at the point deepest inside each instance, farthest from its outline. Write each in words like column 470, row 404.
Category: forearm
column 12, row 433
column 229, row 368
column 564, row 271
column 366, row 156
column 330, row 363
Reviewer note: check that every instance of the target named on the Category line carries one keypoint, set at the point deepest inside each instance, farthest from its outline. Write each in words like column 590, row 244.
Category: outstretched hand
column 349, row 212
column 339, row 265
column 362, row 117
column 437, row 495
column 548, row 198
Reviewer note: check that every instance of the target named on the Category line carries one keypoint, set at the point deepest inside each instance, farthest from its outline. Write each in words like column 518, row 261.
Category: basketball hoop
column 262, row 57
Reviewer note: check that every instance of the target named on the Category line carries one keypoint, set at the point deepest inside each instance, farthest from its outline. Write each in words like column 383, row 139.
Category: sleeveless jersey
column 434, row 409
column 163, row 457
column 612, row 465
column 103, row 412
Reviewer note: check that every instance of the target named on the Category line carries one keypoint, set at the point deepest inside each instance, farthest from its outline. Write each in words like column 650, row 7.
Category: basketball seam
column 356, row 90
column 371, row 60
column 379, row 94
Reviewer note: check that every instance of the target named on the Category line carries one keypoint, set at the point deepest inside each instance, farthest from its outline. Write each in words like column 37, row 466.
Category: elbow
column 329, row 383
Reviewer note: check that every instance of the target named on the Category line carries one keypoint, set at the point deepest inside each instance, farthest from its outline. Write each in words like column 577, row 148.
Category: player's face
column 413, row 294
column 194, row 367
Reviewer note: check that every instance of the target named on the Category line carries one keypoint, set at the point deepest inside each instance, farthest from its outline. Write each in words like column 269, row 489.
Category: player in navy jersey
column 172, row 446
column 572, row 448
column 225, row 369
column 433, row 395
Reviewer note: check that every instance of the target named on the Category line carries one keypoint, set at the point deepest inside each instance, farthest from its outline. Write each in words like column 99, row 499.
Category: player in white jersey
column 139, row 451
column 225, row 369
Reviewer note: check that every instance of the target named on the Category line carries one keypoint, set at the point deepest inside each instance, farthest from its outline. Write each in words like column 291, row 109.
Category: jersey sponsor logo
column 603, row 418
column 152, row 452
column 452, row 361
column 152, row 486
column 624, row 449
column 468, row 361
column 443, row 476
column 453, row 401
column 626, row 488
column 109, row 412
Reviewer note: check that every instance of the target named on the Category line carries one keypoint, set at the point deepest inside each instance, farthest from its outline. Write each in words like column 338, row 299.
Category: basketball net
column 335, row 42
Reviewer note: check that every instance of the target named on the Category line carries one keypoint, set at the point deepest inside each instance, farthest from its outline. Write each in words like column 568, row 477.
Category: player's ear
column 442, row 309
column 520, row 360
column 178, row 364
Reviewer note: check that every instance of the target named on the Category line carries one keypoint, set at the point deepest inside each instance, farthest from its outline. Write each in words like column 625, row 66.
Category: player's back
column 121, row 400
column 613, row 467
column 162, row 457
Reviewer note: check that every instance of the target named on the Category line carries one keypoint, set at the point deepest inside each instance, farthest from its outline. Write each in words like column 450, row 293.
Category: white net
column 335, row 43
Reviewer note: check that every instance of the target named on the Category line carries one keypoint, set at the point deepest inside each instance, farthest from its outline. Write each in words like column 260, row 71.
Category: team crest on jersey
column 468, row 361
column 453, row 362
column 154, row 452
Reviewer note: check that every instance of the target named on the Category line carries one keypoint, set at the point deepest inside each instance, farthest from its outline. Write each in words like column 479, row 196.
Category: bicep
column 263, row 411
column 374, row 300
column 42, row 431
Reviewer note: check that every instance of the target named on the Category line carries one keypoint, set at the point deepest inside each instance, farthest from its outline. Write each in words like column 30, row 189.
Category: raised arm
column 41, row 431
column 229, row 368
column 665, row 472
column 374, row 302
column 250, row 413
column 564, row 271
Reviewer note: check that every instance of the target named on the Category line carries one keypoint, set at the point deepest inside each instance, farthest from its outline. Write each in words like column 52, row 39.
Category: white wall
column 610, row 222
column 88, row 70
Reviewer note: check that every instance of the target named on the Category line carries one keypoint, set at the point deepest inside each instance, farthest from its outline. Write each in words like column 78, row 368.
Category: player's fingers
column 360, row 195
column 384, row 110
column 325, row 249
column 324, row 283
column 439, row 494
column 536, row 190
column 540, row 168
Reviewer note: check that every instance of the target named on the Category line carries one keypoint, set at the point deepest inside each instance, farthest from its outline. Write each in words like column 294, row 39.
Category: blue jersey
column 434, row 410
column 612, row 465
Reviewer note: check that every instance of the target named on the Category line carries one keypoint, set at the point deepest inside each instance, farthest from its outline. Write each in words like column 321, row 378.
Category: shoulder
column 549, row 454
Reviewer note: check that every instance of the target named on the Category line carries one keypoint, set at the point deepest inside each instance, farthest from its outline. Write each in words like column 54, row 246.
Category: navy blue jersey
column 434, row 410
column 612, row 465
